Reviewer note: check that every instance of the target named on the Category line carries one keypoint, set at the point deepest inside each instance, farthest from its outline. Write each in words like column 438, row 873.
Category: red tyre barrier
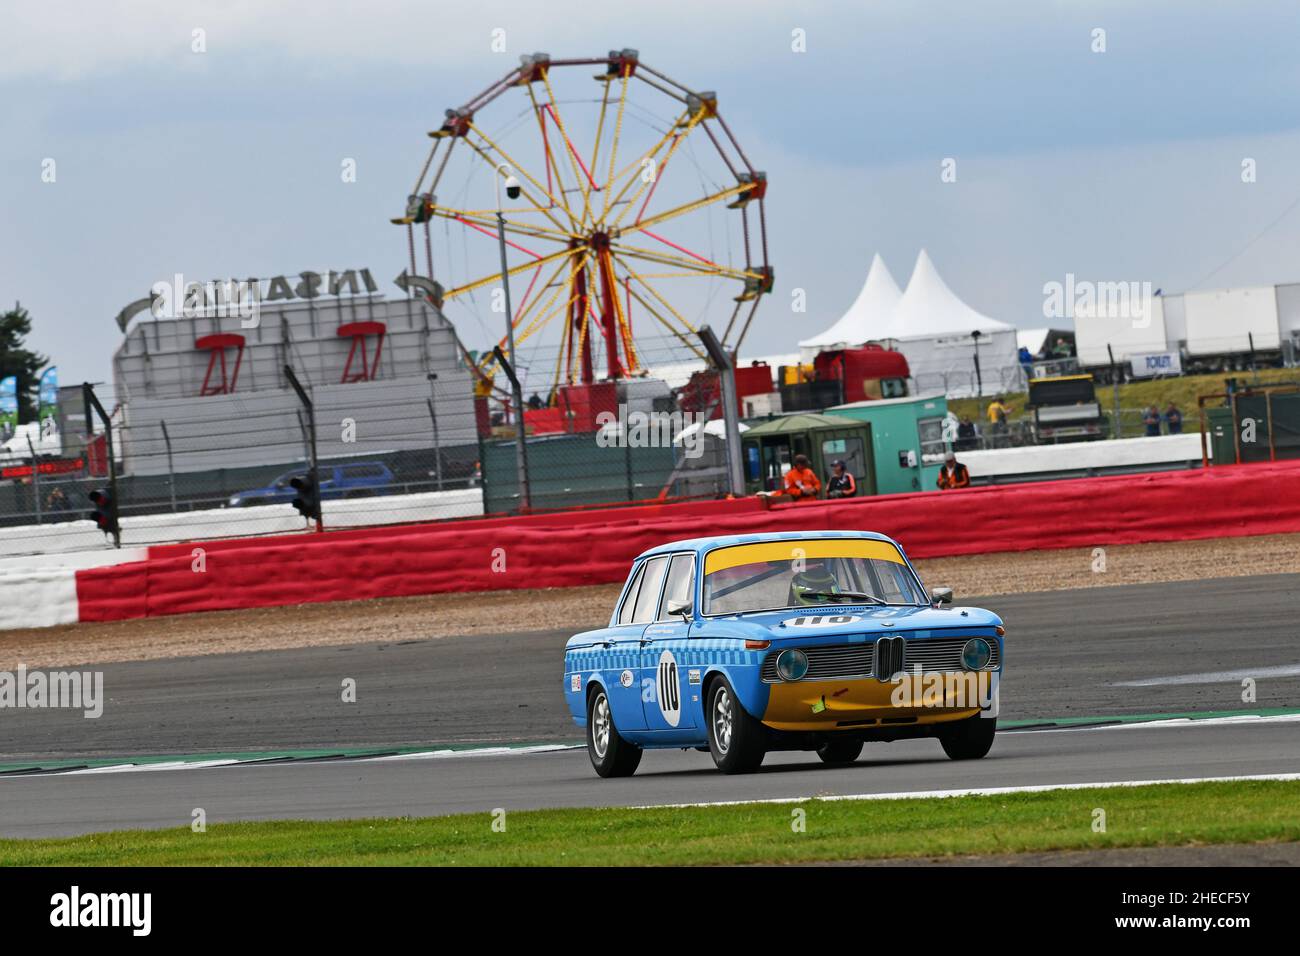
column 595, row 547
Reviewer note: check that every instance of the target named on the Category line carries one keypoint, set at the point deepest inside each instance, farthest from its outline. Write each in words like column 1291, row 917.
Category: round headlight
column 975, row 655
column 791, row 664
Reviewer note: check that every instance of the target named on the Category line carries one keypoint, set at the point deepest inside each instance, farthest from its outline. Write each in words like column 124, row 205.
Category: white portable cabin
column 1204, row 324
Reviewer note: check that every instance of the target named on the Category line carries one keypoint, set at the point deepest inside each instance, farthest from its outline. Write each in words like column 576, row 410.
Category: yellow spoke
column 521, row 171
column 489, row 221
column 618, row 132
column 528, row 306
column 600, row 128
column 677, row 141
column 496, row 276
column 631, row 170
column 667, row 259
column 688, row 207
column 611, row 286
column 546, row 311
column 679, row 275
column 654, row 292
column 551, row 164
column 569, row 151
column 693, row 346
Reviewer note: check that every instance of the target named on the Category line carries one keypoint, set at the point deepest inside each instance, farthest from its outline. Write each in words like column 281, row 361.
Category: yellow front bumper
column 856, row 704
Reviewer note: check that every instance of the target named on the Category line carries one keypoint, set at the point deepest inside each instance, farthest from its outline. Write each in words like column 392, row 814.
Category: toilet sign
column 1150, row 364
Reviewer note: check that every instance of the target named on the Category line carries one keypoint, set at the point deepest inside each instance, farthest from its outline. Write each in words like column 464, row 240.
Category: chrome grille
column 890, row 655
column 859, row 660
column 943, row 653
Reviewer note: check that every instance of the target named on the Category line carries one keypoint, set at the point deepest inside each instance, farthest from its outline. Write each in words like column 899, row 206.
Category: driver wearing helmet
column 815, row 578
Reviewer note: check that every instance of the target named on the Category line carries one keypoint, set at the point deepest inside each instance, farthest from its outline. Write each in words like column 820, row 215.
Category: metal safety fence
column 378, row 456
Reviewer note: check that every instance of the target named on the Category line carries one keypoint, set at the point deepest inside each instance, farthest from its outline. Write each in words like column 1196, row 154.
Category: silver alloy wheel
column 722, row 720
column 600, row 724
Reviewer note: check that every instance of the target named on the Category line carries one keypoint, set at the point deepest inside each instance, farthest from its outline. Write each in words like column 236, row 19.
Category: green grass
column 1134, row 396
column 1157, row 815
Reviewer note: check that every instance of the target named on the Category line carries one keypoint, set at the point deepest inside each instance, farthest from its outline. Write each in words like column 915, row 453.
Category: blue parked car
column 817, row 640
column 357, row 479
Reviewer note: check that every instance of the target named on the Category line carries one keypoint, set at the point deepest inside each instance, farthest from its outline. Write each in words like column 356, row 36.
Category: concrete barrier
column 83, row 536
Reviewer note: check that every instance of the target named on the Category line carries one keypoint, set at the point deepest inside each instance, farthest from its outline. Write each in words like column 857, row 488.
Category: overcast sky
column 1123, row 165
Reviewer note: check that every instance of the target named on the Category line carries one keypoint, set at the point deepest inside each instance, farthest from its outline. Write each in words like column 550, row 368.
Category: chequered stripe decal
column 696, row 653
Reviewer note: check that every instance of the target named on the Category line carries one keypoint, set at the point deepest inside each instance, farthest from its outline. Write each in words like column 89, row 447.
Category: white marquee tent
column 868, row 313
column 930, row 325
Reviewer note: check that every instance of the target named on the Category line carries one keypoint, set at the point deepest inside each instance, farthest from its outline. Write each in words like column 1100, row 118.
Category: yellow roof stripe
column 739, row 554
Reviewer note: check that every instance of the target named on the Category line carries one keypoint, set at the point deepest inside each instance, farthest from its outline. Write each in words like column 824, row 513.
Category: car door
column 621, row 652
column 665, row 687
column 330, row 483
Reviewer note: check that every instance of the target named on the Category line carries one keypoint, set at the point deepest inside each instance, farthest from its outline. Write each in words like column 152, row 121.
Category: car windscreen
column 806, row 573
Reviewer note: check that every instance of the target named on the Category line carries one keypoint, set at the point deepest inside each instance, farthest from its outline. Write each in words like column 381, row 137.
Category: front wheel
column 737, row 741
column 969, row 739
column 610, row 754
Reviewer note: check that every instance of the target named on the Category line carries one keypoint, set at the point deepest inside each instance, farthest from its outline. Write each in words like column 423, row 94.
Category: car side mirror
column 680, row 609
column 940, row 596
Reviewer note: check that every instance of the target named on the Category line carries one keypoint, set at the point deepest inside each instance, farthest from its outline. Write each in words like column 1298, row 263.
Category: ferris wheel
column 631, row 217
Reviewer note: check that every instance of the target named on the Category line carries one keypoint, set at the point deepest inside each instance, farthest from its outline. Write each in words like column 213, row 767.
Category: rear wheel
column 737, row 741
column 610, row 754
column 968, row 739
column 840, row 750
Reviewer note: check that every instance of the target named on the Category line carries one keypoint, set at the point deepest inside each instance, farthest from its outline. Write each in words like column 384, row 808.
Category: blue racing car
column 814, row 640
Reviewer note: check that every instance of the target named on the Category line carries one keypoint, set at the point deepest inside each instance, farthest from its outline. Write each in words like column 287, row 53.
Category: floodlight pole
column 314, row 470
column 91, row 401
column 726, row 366
column 517, row 391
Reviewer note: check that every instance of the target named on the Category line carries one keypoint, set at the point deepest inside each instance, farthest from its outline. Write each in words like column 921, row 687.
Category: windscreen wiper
column 846, row 595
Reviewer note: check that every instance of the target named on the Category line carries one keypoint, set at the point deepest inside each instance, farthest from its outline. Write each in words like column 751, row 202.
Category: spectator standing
column 966, row 434
column 1151, row 419
column 841, row 484
column 953, row 474
column 801, row 481
column 1174, row 419
column 1026, row 363
column 998, row 412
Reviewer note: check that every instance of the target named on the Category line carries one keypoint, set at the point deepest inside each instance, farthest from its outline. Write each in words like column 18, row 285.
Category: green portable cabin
column 907, row 439
column 770, row 447
column 1260, row 425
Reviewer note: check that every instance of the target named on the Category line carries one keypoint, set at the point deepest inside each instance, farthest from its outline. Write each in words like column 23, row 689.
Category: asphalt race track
column 1094, row 653
column 66, row 804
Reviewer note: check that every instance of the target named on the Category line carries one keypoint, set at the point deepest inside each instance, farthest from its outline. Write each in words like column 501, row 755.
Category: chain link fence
column 383, row 457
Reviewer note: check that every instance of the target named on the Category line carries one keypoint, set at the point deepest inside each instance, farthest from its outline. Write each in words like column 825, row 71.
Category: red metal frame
column 358, row 332
column 217, row 345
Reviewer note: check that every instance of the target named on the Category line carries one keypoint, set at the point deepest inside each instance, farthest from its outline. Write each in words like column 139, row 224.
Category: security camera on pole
column 513, row 190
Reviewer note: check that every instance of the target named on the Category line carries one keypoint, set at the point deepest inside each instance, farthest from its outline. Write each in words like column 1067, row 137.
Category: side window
column 932, row 443
column 629, row 601
column 647, row 600
column 681, row 585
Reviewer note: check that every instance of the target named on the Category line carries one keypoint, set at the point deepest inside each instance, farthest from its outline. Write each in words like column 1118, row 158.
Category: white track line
column 973, row 791
column 144, row 767
column 1215, row 677
column 504, row 751
column 1166, row 722
column 474, row 752
column 265, row 762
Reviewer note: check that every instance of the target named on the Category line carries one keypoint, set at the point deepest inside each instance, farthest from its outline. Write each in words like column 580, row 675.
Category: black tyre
column 840, row 750
column 610, row 754
column 968, row 739
column 737, row 741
